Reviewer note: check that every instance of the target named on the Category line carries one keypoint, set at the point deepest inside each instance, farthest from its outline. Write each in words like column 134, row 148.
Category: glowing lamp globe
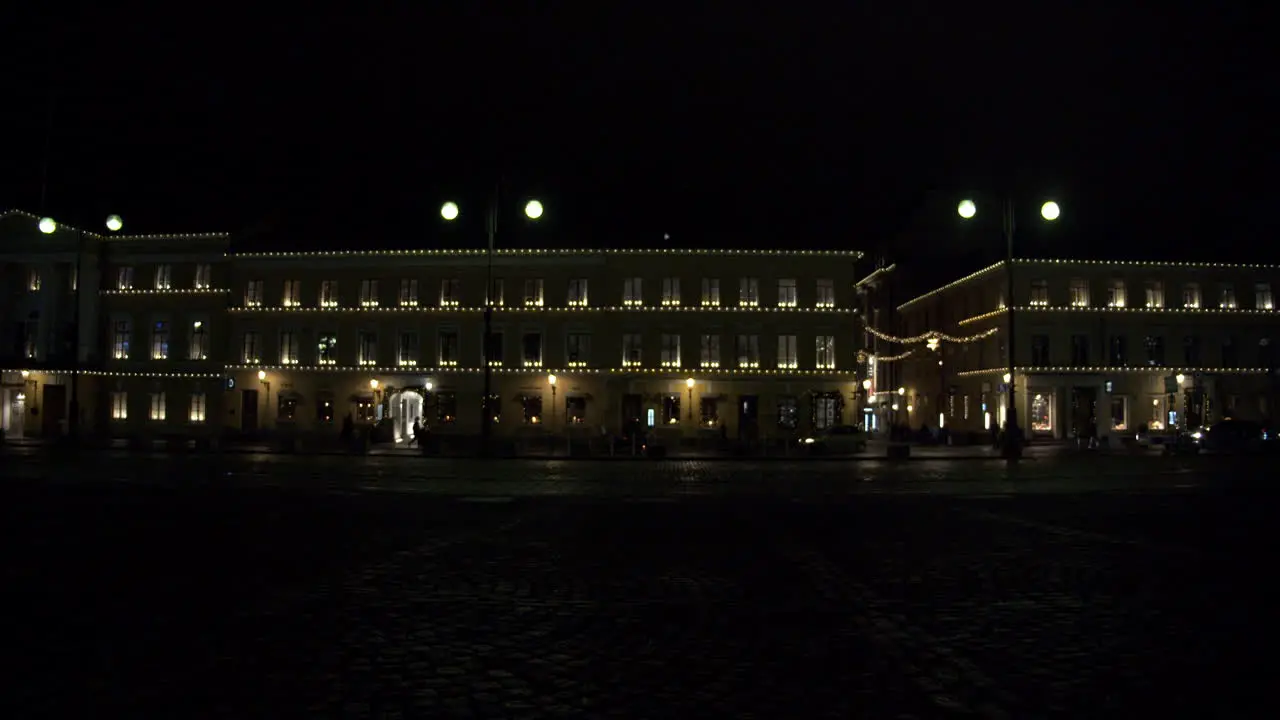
column 114, row 223
column 967, row 209
column 1050, row 211
column 373, row 384
column 551, row 379
column 1179, row 377
column 1007, row 377
column 262, row 374
column 449, row 211
column 47, row 225
column 429, row 385
column 533, row 209
column 866, row 384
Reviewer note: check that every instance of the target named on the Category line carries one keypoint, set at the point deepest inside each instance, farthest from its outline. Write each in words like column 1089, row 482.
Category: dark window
column 575, row 409
column 493, row 408
column 1230, row 353
column 446, row 407
column 324, row 408
column 788, row 412
column 1119, row 355
column 288, row 408
column 1080, row 350
column 671, row 410
column 710, row 412
column 1191, row 351
column 531, row 349
column 1266, row 353
column 1154, row 345
column 1040, row 350
column 532, row 409
column 495, row 348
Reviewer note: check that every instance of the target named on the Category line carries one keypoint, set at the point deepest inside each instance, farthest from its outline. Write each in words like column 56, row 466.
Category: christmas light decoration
column 445, row 368
column 1148, row 370
column 481, row 252
column 1107, row 309
column 168, row 291
column 455, row 307
column 931, row 335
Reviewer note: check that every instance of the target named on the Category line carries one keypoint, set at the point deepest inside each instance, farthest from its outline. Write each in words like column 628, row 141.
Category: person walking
column 415, row 431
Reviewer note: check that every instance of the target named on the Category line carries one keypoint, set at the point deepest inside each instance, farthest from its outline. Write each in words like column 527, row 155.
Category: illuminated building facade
column 1116, row 344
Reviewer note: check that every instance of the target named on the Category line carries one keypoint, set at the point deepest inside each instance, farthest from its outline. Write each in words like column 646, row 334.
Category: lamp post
column 266, row 398
column 689, row 384
column 449, row 212
column 551, row 380
column 1050, row 211
column 48, row 226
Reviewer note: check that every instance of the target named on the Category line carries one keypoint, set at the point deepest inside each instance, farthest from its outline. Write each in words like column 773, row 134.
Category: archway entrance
column 406, row 406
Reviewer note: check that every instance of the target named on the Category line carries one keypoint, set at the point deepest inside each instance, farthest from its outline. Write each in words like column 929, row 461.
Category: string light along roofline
column 1097, row 263
column 1107, row 309
column 514, row 252
column 425, row 309
column 1106, row 369
column 114, row 236
column 682, row 372
column 875, row 273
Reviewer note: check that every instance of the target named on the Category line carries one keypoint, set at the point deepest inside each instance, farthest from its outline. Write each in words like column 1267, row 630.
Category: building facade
column 1114, row 345
column 182, row 338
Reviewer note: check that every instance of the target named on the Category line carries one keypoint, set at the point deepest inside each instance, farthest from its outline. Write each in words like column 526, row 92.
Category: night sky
column 812, row 127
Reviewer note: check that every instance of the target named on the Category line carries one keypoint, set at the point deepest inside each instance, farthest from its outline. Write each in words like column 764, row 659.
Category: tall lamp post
column 689, row 384
column 450, row 211
column 48, row 226
column 551, row 380
column 266, row 399
column 1050, row 212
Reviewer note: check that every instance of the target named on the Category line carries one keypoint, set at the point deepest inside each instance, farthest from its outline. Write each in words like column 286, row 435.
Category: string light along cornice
column 498, row 309
column 675, row 373
column 111, row 236
column 931, row 335
column 1104, row 309
column 1147, row 263
column 108, row 373
column 875, row 274
column 894, row 358
column 1145, row 370
column 168, row 291
column 967, row 278
column 517, row 252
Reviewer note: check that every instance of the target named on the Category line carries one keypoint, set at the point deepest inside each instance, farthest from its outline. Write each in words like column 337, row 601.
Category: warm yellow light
column 26, row 374
column 1050, row 210
column 373, row 384
column 895, row 407
column 967, row 209
column 689, row 383
column 114, row 223
column 910, row 408
column 47, row 225
column 1179, row 377
column 551, row 379
column 533, row 209
column 866, row 384
column 449, row 211
column 262, row 374
column 429, row 386
column 902, row 391
column 1008, row 377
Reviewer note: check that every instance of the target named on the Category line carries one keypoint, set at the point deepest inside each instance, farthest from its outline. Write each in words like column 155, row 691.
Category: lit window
column 788, row 412
column 825, row 352
column 1262, row 296
column 157, row 406
column 407, row 351
column 496, row 294
column 198, row 407
column 119, row 406
column 198, row 348
column 710, row 351
column 709, row 412
column 575, row 410
column 164, row 276
column 633, row 291
column 711, row 292
column 1116, row 294
column 787, row 292
column 288, row 347
column 578, row 349
column 1079, row 292
column 1191, row 295
column 367, row 348
column 253, row 293
column 160, row 341
column 826, row 293
column 448, row 348
column 368, row 293
column 286, row 408
column 1155, row 294
column 749, row 292
column 328, row 293
column 1227, row 299
column 671, row 291
column 327, row 350
column 497, row 348
column 631, row 350
column 250, row 349
column 533, row 296
column 787, row 358
column 120, row 340
column 409, row 292
column 450, row 292
column 204, row 277
column 531, row 349
column 671, row 409
column 532, row 409
column 748, row 351
column 578, row 292
column 124, row 278
column 292, row 294
column 670, row 351
column 33, row 280
column 1039, row 293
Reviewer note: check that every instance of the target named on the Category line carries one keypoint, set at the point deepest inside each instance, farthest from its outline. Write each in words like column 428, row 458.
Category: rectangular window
column 826, row 293
column 124, row 278
column 1039, row 293
column 533, row 292
column 75, row 278
column 711, row 292
column 670, row 350
column 1230, row 355
column 1154, row 345
column 497, row 294
column 825, row 352
column 1119, row 413
column 531, row 349
column 450, row 292
column 448, row 348
column 367, row 348
column 748, row 351
column 1115, row 294
column 748, row 292
column 1118, row 355
column 291, row 295
column 710, row 351
column 1191, row 351
column 1191, row 295
column 324, row 407
column 368, row 293
column 407, row 350
column 199, row 408
column 157, row 406
column 497, row 348
column 578, row 349
column 204, row 276
column 671, row 409
column 119, row 406
column 286, row 408
column 253, row 293
column 1079, row 351
column 164, row 277
column 328, row 293
column 198, row 347
column 1262, row 296
column 327, row 349
column 1079, row 292
column 631, row 350
column 446, row 407
column 575, row 410
column 788, row 412
column 1040, row 350
column 250, row 349
column 120, row 340
column 1227, row 297
column 532, row 406
column 633, row 291
column 1266, row 354
column 160, row 340
column 408, row 292
column 787, row 292
column 671, row 291
column 33, row 280
column 787, row 356
column 577, row 296
column 709, row 412
column 1155, row 294
column 288, row 347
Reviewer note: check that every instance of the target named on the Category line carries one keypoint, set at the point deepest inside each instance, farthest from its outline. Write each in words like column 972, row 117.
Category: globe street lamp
column 47, row 225
column 551, row 380
column 450, row 211
column 689, row 384
column 1050, row 211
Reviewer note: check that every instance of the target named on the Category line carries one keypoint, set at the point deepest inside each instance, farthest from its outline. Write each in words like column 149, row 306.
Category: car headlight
column 1197, row 435
column 808, row 441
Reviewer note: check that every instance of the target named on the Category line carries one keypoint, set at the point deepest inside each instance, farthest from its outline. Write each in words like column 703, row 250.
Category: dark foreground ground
column 289, row 587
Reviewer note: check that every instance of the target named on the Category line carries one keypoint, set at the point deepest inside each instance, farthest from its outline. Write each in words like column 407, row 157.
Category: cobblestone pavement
column 185, row 597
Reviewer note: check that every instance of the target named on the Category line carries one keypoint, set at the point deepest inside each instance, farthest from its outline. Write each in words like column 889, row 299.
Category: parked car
column 838, row 440
column 1155, row 438
column 1234, row 437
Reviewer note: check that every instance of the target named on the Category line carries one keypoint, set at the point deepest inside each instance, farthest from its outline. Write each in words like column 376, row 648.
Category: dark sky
column 808, row 125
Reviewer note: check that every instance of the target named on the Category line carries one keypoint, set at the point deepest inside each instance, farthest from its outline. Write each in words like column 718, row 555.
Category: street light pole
column 486, row 414
column 1012, row 443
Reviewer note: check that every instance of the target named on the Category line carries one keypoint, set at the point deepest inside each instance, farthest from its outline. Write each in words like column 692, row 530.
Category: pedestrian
column 414, row 430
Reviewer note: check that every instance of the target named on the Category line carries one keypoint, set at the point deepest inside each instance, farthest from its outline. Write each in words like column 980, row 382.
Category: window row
column 445, row 349
column 162, row 277
column 157, row 409
column 1154, row 295
column 533, row 293
column 1154, row 351
column 160, row 338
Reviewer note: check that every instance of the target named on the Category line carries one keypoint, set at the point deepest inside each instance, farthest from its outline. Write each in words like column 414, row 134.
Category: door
column 1084, row 410
column 15, row 412
column 748, row 416
column 53, row 409
column 632, row 410
column 249, row 410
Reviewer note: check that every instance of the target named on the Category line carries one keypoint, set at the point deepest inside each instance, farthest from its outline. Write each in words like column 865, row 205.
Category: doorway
column 632, row 410
column 53, row 409
column 249, row 410
column 15, row 412
column 748, row 416
column 406, row 407
column 1084, row 411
